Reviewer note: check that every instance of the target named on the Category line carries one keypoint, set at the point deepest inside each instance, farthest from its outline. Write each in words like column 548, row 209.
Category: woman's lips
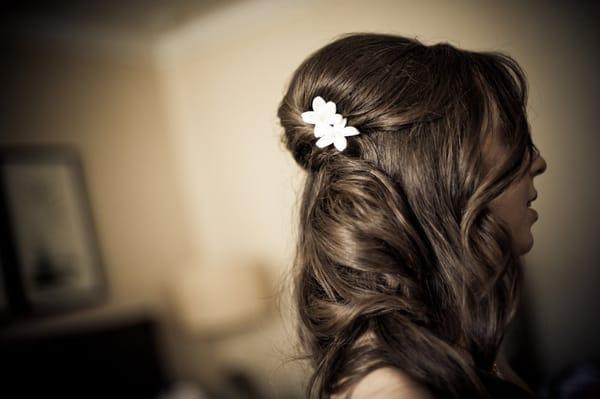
column 533, row 213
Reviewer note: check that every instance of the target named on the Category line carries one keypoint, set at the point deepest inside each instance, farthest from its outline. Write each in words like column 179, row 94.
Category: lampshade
column 217, row 299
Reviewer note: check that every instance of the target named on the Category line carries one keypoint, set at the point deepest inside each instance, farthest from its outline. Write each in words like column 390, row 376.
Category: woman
column 413, row 218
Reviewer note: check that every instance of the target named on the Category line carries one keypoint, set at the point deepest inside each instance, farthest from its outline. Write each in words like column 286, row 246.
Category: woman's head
column 401, row 259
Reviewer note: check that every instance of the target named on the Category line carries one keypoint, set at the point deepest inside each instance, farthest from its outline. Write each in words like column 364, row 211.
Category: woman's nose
column 539, row 166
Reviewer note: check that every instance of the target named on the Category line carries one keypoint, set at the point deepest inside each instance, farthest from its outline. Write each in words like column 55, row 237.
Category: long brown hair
column 399, row 262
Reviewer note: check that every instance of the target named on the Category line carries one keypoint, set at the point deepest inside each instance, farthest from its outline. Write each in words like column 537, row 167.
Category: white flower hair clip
column 330, row 127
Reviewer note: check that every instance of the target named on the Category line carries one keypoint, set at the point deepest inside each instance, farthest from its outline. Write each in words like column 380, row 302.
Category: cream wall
column 180, row 143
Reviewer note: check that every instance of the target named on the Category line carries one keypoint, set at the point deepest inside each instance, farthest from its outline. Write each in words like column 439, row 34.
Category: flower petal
column 309, row 117
column 322, row 129
column 323, row 118
column 340, row 142
column 336, row 119
column 324, row 141
column 318, row 103
column 350, row 131
column 330, row 108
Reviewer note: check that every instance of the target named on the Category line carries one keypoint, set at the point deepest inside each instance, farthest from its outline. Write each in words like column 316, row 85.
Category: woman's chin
column 525, row 245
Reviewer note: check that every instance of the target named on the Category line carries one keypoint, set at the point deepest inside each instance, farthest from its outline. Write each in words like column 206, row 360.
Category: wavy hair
column 399, row 261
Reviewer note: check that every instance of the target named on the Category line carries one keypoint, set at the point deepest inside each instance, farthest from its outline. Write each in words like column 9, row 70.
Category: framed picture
column 49, row 255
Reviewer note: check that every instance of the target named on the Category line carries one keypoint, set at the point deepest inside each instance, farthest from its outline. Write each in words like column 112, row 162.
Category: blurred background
column 143, row 135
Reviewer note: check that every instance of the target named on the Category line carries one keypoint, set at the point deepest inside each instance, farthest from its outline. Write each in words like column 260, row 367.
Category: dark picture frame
column 49, row 253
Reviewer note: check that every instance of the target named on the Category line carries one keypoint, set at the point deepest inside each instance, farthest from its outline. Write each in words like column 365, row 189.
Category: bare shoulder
column 387, row 382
